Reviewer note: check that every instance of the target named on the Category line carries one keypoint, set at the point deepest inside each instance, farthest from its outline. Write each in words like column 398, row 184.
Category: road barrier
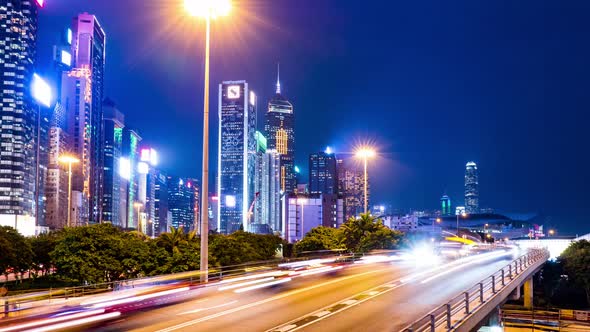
column 448, row 315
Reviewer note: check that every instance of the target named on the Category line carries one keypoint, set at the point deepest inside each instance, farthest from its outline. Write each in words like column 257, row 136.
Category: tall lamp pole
column 463, row 214
column 365, row 154
column 69, row 160
column 208, row 9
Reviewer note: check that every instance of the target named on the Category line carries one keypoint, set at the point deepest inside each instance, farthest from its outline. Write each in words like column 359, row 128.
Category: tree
column 576, row 264
column 320, row 238
column 172, row 240
column 42, row 245
column 367, row 233
column 16, row 254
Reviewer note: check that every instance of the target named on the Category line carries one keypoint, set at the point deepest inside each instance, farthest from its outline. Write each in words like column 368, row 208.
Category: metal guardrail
column 471, row 299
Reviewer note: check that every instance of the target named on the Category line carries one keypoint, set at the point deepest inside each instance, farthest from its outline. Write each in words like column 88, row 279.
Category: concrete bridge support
column 528, row 293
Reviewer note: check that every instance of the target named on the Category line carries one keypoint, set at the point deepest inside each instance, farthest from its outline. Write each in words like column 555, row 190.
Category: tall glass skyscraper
column 113, row 124
column 471, row 188
column 19, row 113
column 182, row 195
column 323, row 177
column 88, row 53
column 279, row 128
column 237, row 155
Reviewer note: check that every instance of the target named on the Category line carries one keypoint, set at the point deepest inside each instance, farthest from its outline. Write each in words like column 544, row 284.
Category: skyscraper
column 113, row 124
column 181, row 202
column 128, row 166
column 351, row 187
column 279, row 128
column 445, row 202
column 267, row 213
column 20, row 114
column 323, row 177
column 237, row 155
column 88, row 53
column 471, row 188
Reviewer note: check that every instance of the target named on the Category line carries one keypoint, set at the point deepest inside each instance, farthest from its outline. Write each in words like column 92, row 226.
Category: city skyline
column 412, row 158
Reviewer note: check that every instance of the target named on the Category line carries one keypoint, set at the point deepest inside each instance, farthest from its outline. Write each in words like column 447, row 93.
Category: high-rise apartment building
column 113, row 124
column 237, row 155
column 471, row 188
column 19, row 115
column 279, row 129
column 88, row 57
column 323, row 175
column 351, row 187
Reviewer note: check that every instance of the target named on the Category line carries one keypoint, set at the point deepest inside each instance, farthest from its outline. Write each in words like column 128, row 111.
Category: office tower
column 351, row 187
column 160, row 203
column 237, row 155
column 323, row 177
column 304, row 212
column 128, row 164
column 471, row 188
column 445, row 202
column 20, row 113
column 88, row 56
column 267, row 211
column 279, row 128
column 181, row 202
column 146, row 188
column 113, row 124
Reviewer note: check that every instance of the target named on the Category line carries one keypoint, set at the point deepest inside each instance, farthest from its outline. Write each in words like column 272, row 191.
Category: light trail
column 51, row 320
column 78, row 322
column 247, row 283
column 272, row 283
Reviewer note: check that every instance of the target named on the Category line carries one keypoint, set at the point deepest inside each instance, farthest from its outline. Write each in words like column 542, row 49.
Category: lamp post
column 207, row 9
column 438, row 220
column 365, row 154
column 69, row 160
column 138, row 206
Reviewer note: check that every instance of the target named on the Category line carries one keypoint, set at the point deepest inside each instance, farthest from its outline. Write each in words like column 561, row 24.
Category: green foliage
column 320, row 238
column 16, row 254
column 367, row 233
column 42, row 245
column 576, row 264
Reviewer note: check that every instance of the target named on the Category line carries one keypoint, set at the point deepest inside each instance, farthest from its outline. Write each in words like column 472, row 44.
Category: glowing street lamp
column 207, row 9
column 551, row 232
column 366, row 154
column 69, row 160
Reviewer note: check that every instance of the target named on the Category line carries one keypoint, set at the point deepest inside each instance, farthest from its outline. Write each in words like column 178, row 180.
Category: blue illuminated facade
column 237, row 155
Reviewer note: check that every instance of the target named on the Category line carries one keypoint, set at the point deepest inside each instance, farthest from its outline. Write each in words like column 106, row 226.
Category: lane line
column 274, row 298
column 208, row 308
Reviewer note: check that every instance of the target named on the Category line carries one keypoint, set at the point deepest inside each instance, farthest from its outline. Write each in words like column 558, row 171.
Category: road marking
column 208, row 308
column 321, row 313
column 278, row 297
column 286, row 328
column 371, row 293
column 349, row 302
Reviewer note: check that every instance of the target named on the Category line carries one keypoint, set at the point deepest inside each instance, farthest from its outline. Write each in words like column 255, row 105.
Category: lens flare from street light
column 365, row 152
column 66, row 159
column 208, row 8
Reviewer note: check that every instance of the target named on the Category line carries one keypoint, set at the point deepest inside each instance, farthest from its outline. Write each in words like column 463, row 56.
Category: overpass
column 375, row 293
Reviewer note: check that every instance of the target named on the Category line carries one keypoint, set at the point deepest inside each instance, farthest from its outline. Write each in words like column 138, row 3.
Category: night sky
column 433, row 84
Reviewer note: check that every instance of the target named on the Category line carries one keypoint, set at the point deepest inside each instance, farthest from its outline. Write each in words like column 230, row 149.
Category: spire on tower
column 278, row 76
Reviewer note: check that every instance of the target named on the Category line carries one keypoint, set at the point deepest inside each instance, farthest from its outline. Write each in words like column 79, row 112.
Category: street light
column 207, row 9
column 438, row 220
column 551, row 232
column 69, row 160
column 365, row 153
column 138, row 206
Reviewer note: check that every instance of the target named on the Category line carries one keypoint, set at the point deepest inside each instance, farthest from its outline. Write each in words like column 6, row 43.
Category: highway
column 370, row 296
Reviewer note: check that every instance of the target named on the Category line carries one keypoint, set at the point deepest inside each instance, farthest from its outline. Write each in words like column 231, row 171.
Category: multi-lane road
column 371, row 296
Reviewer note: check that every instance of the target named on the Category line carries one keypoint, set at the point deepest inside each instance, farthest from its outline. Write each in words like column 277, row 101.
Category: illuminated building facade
column 182, row 194
column 351, row 187
column 128, row 164
column 445, row 204
column 267, row 211
column 279, row 128
column 18, row 125
column 471, row 188
column 323, row 175
column 160, row 203
column 303, row 212
column 237, row 155
column 113, row 124
column 88, row 60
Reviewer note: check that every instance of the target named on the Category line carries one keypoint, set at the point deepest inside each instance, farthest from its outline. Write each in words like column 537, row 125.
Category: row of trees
column 103, row 253
column 357, row 235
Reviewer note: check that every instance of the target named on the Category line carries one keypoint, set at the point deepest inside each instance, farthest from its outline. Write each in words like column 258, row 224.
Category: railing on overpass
column 462, row 305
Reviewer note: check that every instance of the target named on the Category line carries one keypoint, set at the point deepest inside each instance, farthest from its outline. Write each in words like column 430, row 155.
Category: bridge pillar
column 515, row 294
column 528, row 293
